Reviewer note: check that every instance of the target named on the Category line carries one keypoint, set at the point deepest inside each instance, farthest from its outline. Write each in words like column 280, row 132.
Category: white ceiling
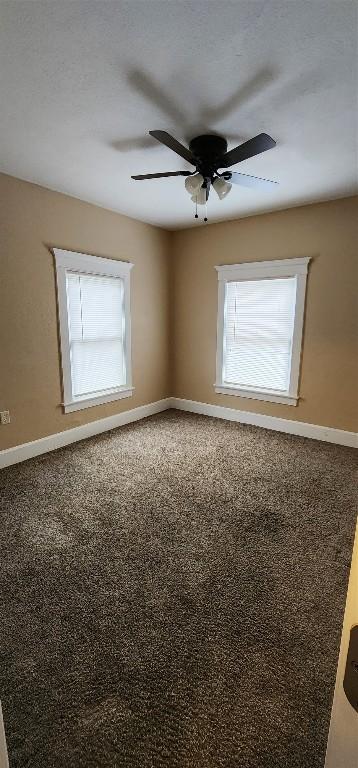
column 82, row 83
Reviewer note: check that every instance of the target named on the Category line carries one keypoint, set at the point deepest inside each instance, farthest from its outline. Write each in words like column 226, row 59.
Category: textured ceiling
column 82, row 83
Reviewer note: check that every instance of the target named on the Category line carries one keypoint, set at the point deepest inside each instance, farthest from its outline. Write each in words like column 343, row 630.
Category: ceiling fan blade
column 160, row 175
column 169, row 141
column 255, row 146
column 244, row 180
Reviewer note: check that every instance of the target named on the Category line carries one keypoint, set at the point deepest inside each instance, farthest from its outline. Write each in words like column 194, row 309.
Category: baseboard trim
column 4, row 760
column 300, row 428
column 45, row 444
column 52, row 442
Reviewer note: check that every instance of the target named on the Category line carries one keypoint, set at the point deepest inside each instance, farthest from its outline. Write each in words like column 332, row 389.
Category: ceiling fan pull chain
column 196, row 207
column 206, row 212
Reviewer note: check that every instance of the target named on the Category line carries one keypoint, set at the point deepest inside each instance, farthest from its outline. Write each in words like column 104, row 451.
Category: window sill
column 88, row 402
column 257, row 394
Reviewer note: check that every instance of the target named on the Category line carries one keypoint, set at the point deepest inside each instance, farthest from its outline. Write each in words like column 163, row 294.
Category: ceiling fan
column 208, row 154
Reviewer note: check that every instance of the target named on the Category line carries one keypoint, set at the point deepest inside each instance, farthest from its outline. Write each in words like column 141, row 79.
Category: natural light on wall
column 260, row 324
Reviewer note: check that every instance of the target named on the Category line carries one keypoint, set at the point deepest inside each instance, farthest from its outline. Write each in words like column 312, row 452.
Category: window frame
column 85, row 264
column 261, row 270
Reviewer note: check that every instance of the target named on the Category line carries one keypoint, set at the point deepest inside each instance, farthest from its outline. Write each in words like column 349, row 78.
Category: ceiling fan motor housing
column 207, row 150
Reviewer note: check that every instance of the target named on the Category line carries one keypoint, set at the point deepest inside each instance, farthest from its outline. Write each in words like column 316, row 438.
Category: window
column 93, row 300
column 260, row 322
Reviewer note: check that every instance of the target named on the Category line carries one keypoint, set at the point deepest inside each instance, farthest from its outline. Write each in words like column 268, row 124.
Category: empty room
column 178, row 384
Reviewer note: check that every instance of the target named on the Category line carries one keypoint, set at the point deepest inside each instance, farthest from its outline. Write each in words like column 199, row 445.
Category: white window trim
column 71, row 261
column 255, row 271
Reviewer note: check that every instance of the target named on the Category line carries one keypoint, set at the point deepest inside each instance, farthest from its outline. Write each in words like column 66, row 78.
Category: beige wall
column 329, row 233
column 32, row 219
column 174, row 305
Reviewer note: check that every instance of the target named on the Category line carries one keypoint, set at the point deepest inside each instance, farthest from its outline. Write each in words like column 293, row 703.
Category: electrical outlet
column 4, row 417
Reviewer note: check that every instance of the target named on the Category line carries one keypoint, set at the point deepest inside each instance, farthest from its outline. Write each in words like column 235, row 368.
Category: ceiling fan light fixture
column 199, row 196
column 193, row 183
column 222, row 188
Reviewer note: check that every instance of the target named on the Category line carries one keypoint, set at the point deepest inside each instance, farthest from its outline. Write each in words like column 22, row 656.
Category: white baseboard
column 329, row 434
column 4, row 760
column 50, row 443
column 45, row 444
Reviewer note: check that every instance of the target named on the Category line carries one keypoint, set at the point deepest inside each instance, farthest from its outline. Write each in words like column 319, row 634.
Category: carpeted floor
column 172, row 595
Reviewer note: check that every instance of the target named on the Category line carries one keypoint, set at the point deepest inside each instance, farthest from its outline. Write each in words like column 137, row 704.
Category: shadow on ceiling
column 155, row 94
column 258, row 84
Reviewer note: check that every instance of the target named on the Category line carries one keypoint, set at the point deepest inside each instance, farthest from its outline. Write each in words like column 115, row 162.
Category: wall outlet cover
column 4, row 417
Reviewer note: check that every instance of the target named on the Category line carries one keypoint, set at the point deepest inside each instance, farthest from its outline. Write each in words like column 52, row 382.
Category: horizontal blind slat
column 258, row 328
column 96, row 325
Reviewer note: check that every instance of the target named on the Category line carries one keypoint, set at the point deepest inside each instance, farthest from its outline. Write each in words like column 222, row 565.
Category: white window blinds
column 258, row 331
column 96, row 332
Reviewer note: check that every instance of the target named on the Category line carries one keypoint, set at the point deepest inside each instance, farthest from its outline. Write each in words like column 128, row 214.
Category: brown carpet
column 172, row 595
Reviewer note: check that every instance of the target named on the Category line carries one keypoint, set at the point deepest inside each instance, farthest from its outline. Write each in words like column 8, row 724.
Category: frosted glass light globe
column 193, row 183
